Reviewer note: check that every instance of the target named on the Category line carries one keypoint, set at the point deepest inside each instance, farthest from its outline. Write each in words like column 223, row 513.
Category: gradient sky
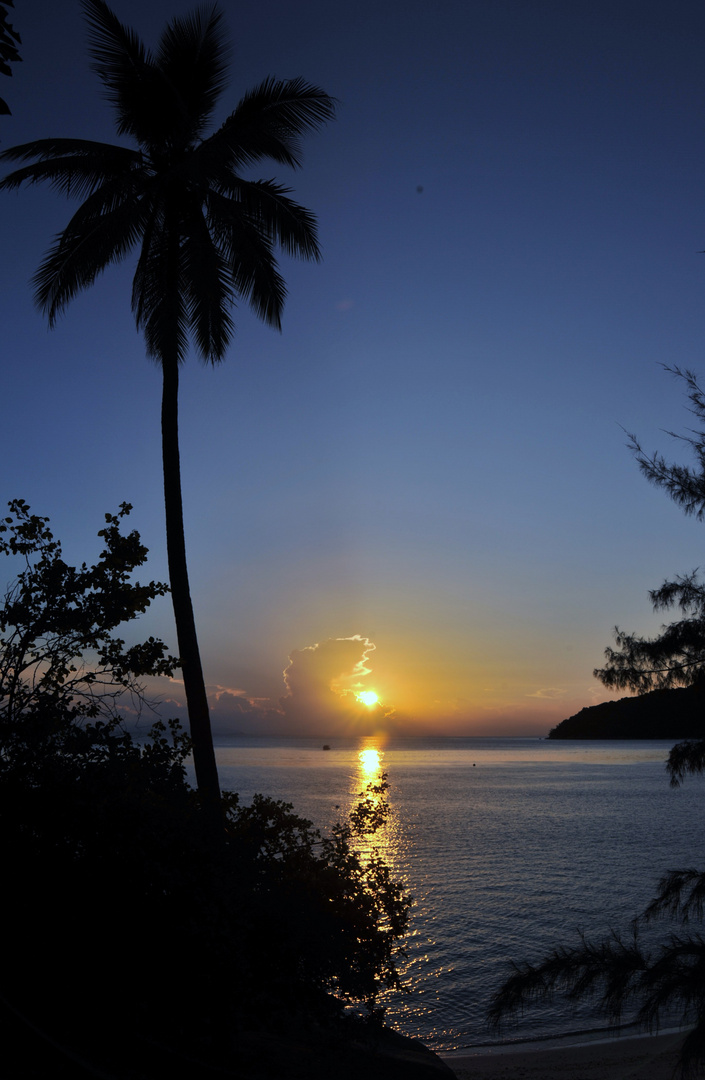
column 430, row 459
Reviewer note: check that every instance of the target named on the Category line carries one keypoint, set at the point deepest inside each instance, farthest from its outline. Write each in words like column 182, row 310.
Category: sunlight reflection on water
column 370, row 762
column 389, row 838
column 508, row 846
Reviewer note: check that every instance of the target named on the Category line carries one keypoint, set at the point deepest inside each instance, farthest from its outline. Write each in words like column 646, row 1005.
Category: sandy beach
column 644, row 1058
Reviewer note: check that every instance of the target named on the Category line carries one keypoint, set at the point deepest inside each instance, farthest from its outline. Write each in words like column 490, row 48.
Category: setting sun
column 367, row 697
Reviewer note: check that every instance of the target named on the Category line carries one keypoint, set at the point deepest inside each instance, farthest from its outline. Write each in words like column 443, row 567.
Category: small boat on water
column 326, row 746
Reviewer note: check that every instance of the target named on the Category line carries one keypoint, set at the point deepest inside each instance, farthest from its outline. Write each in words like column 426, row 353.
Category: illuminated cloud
column 549, row 693
column 216, row 693
column 321, row 682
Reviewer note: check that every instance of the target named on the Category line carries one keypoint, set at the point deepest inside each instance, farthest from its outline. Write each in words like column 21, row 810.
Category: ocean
column 508, row 846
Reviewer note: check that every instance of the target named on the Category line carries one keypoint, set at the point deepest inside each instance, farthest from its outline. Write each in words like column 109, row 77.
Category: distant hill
column 660, row 714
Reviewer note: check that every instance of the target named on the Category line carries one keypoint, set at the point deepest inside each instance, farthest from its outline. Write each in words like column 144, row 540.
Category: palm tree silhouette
column 206, row 235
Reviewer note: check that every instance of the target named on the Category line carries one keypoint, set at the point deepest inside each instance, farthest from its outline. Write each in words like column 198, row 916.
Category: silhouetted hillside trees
column 659, row 714
column 136, row 941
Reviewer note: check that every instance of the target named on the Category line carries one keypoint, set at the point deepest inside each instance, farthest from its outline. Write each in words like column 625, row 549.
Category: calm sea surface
column 508, row 846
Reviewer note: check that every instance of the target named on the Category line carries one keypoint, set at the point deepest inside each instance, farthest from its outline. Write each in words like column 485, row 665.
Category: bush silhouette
column 133, row 931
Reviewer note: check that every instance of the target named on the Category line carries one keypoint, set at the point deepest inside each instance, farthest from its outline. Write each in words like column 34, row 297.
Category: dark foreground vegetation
column 137, row 941
column 148, row 928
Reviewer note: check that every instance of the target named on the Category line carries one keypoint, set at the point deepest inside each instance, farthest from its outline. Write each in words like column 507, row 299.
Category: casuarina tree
column 637, row 975
column 204, row 234
column 676, row 655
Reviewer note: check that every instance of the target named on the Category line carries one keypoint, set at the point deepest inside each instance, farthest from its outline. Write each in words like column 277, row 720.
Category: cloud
column 216, row 692
column 549, row 693
column 321, row 682
column 231, row 709
column 337, row 663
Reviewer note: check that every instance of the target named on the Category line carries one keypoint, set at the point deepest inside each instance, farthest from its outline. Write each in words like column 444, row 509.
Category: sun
column 368, row 698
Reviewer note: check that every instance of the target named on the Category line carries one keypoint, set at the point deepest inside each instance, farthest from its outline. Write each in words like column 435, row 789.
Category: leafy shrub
column 131, row 924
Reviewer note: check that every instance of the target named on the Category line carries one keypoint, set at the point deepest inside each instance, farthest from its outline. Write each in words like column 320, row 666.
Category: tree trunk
column 194, row 685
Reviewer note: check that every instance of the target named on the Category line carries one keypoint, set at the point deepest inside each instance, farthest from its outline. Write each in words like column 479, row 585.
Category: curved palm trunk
column 194, row 685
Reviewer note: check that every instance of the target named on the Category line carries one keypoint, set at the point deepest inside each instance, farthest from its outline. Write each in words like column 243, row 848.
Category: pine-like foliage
column 620, row 974
column 626, row 978
column 676, row 656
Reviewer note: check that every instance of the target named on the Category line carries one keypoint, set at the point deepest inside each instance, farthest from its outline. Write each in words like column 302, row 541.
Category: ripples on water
column 508, row 846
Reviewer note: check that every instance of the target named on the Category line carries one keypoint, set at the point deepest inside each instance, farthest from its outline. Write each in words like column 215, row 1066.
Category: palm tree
column 206, row 234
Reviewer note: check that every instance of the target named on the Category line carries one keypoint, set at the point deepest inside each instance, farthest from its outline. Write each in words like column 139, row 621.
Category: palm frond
column 206, row 233
column 247, row 247
column 158, row 292
column 102, row 231
column 75, row 167
column 267, row 205
column 291, row 106
column 133, row 83
column 210, row 293
column 269, row 121
column 193, row 58
column 115, row 48
column 257, row 279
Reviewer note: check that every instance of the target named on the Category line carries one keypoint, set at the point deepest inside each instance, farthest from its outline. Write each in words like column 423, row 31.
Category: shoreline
column 565, row 1040
column 639, row 1056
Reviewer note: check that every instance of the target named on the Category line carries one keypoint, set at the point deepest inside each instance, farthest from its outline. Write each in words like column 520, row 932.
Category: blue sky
column 431, row 457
